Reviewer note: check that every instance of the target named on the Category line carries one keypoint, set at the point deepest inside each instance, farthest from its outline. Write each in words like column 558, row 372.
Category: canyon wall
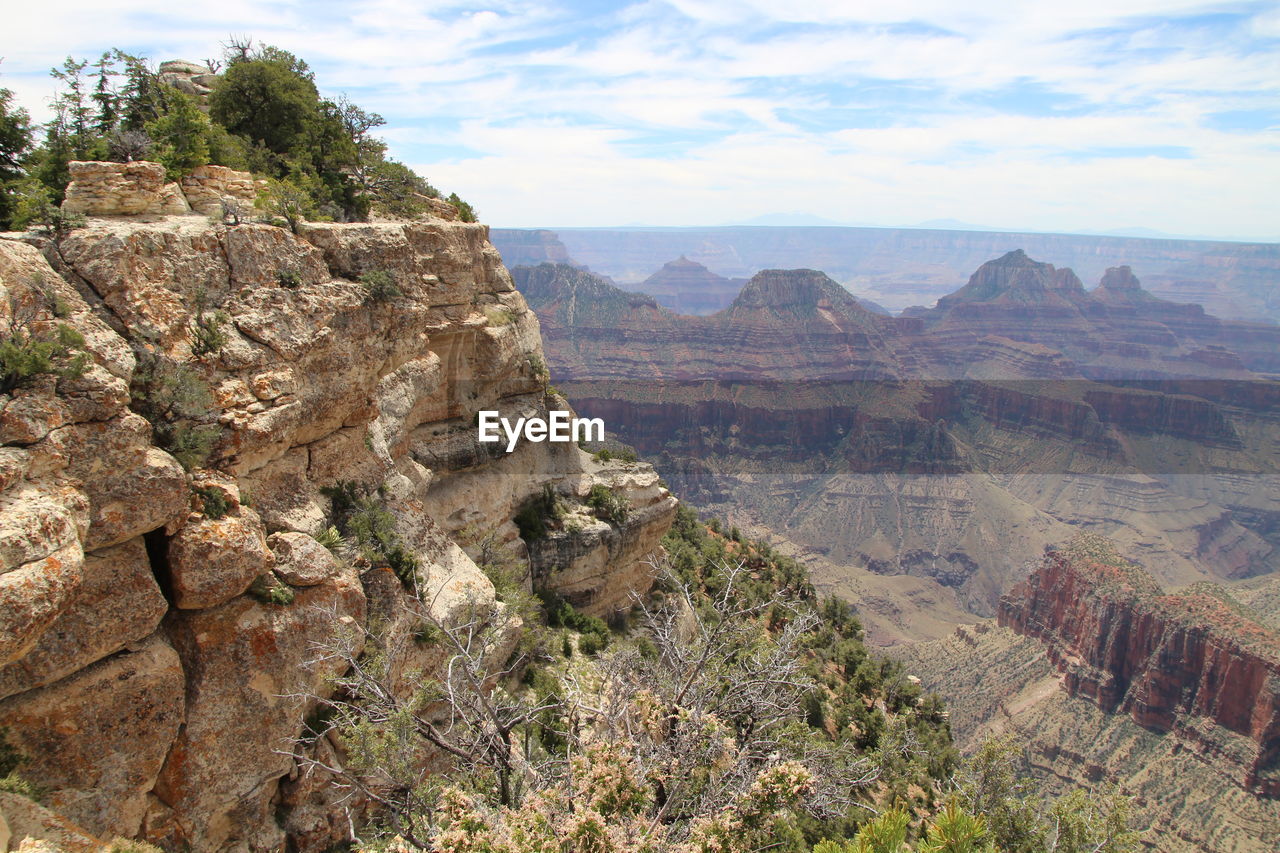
column 1169, row 660
column 950, row 446
column 150, row 686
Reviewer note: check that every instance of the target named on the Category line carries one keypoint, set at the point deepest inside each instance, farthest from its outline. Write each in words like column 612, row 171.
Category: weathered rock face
column 152, row 685
column 1165, row 659
column 121, row 189
column 129, row 189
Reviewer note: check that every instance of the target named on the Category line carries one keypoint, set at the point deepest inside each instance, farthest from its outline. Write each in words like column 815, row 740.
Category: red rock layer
column 1164, row 659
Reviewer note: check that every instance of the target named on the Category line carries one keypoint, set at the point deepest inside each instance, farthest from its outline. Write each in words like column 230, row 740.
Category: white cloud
column 554, row 103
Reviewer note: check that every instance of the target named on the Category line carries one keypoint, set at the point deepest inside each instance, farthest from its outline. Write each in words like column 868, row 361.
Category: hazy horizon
column 1093, row 117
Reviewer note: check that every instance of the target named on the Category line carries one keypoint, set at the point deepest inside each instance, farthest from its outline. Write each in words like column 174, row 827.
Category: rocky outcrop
column 1166, row 659
column 157, row 657
column 206, row 187
column 122, row 189
column 131, row 189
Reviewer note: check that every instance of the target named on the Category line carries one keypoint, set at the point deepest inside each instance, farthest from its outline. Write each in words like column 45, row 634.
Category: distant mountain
column 688, row 287
column 951, row 446
column 898, row 267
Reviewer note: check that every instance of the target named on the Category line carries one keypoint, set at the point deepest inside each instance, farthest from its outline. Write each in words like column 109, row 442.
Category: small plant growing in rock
column 232, row 211
column 26, row 355
column 268, row 589
column 360, row 515
column 608, row 504
column 380, row 286
column 289, row 279
column 330, row 538
column 175, row 400
column 213, row 503
column 10, row 781
column 207, row 334
column 499, row 316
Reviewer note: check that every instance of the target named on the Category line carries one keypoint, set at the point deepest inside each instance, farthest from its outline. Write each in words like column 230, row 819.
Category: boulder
column 211, row 561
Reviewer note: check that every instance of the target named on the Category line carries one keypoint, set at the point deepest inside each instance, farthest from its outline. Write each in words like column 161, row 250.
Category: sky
column 1048, row 115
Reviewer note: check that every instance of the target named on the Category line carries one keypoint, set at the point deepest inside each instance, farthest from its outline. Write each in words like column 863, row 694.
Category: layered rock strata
column 950, row 446
column 150, row 689
column 131, row 189
column 1169, row 660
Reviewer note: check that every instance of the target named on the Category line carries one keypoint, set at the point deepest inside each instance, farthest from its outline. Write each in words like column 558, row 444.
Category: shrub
column 466, row 212
column 25, row 355
column 213, row 502
column 330, row 537
column 268, row 589
column 175, row 399
column 207, row 336
column 380, row 286
column 607, row 504
column 360, row 515
column 534, row 514
column 289, row 279
column 35, row 206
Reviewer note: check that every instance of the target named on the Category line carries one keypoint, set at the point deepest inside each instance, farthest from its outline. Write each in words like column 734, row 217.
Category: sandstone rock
column 35, row 829
column 206, row 186
column 33, row 595
column 301, row 560
column 258, row 254
column 118, row 189
column 118, row 603
column 183, row 66
column 250, row 667
column 132, row 486
column 211, row 561
column 14, row 462
column 96, row 740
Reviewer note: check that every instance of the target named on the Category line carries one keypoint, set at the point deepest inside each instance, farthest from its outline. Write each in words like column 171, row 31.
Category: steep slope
column 160, row 625
column 1103, row 675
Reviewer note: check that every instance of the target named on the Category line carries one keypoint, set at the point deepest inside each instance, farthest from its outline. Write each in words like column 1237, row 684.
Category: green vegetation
column 10, row 781
column 213, row 503
column 289, row 279
column 360, row 515
column 608, row 504
column 269, row 589
column 179, row 406
column 380, row 286
column 537, row 511
column 265, row 114
column 29, row 352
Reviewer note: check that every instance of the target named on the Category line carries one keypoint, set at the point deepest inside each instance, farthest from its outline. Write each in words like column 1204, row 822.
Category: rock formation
column 151, row 691
column 687, row 287
column 1168, row 660
column 950, row 446
column 129, row 189
column 898, row 267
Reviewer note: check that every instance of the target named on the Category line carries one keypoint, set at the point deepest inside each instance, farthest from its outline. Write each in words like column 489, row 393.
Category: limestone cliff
column 150, row 690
